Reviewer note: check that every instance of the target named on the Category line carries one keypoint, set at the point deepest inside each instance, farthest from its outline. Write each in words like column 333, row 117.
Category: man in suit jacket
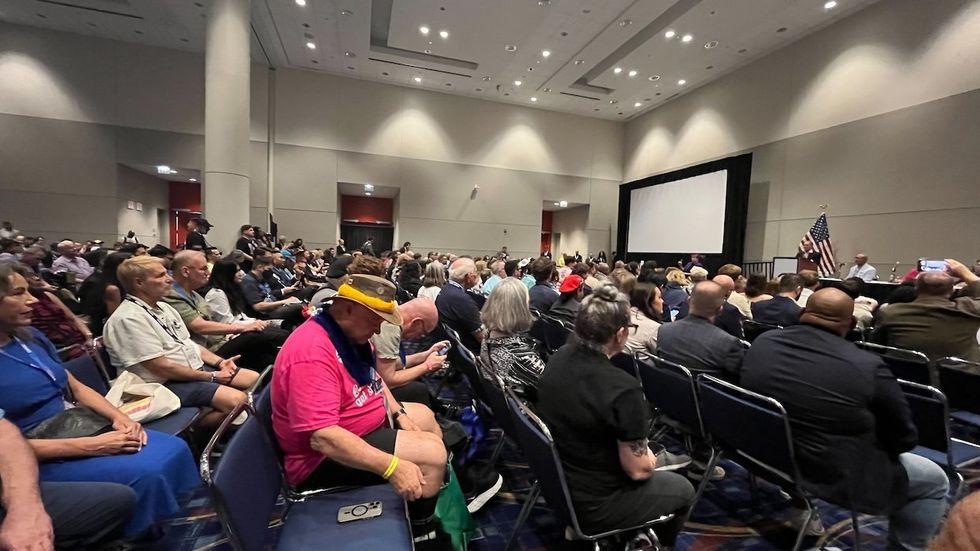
column 934, row 323
column 695, row 342
column 782, row 309
column 730, row 318
column 851, row 425
column 542, row 294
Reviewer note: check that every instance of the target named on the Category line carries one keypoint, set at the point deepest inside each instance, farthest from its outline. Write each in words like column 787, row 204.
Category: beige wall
column 570, row 226
column 123, row 103
column 151, row 192
column 876, row 116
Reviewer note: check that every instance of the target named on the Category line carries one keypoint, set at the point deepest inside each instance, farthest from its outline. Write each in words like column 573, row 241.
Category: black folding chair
column 908, row 365
column 930, row 413
column 542, row 455
column 766, row 448
column 960, row 382
column 497, row 403
column 555, row 332
column 463, row 360
column 626, row 362
column 671, row 388
column 751, row 329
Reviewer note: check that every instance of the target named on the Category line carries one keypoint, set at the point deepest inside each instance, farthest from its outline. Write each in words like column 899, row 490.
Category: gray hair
column 461, row 268
column 601, row 315
column 507, row 311
column 435, row 275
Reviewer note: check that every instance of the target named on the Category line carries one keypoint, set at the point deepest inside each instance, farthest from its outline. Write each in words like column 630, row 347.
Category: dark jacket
column 565, row 311
column 730, row 320
column 697, row 344
column 543, row 296
column 675, row 298
column 935, row 326
column 779, row 310
column 849, row 417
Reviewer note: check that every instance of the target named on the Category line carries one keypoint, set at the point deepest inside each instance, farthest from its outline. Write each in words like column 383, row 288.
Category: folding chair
column 751, row 329
column 960, row 382
column 88, row 373
column 246, row 484
column 555, row 332
column 908, row 365
column 672, row 389
column 497, row 403
column 102, row 358
column 463, row 360
column 930, row 413
column 542, row 455
column 626, row 362
column 766, row 449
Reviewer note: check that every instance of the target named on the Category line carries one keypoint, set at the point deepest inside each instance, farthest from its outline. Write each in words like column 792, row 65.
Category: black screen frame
column 739, row 170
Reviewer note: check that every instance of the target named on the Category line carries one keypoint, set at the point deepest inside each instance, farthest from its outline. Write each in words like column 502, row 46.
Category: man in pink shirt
column 330, row 407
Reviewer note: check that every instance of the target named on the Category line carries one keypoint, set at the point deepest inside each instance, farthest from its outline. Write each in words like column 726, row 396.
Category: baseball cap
column 571, row 283
column 201, row 221
column 373, row 292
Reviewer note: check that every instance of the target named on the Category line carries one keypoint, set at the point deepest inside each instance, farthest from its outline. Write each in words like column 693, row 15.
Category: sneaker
column 814, row 527
column 242, row 417
column 667, row 461
column 696, row 472
column 484, row 488
column 430, row 536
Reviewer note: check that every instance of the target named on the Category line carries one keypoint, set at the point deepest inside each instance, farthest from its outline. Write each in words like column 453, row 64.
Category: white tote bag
column 140, row 400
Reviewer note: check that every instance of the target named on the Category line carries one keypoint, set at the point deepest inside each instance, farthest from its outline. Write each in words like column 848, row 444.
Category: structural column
column 226, row 120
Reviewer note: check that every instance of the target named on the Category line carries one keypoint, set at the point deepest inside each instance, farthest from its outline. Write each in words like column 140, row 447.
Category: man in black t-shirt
column 196, row 228
column 246, row 244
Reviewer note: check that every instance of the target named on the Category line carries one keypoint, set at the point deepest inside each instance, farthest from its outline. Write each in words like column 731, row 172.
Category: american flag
column 819, row 237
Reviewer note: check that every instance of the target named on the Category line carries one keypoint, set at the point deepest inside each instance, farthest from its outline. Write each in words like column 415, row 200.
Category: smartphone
column 360, row 511
column 443, row 351
column 927, row 265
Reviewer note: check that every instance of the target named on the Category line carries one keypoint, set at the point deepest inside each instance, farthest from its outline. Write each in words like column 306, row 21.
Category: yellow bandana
column 374, row 303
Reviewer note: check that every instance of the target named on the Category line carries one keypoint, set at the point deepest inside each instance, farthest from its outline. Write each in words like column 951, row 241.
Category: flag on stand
column 819, row 237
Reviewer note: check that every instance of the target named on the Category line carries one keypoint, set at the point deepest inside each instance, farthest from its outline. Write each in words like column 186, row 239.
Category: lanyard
column 166, row 328
column 35, row 362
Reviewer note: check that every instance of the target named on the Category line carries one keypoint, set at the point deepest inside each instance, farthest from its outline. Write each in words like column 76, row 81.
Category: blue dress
column 32, row 381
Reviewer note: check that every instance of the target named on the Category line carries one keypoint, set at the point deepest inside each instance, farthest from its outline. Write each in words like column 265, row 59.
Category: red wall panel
column 368, row 210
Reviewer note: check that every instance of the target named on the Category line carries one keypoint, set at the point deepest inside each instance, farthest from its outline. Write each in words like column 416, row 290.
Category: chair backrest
column 102, row 358
column 930, row 413
column 555, row 331
column 497, row 402
column 753, row 427
column 626, row 362
column 960, row 382
column 672, row 389
column 88, row 373
column 751, row 329
column 909, row 365
column 464, row 360
column 539, row 448
column 246, row 483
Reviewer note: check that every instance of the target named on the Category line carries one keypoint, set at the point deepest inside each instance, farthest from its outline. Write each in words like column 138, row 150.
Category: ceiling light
column 192, row 179
column 518, row 83
column 534, row 99
column 545, row 53
column 368, row 193
column 163, row 169
column 301, row 3
column 417, row 79
column 428, row 51
column 711, row 44
column 670, row 34
column 311, row 45
column 687, row 38
column 613, row 101
column 556, row 203
column 486, row 79
column 654, row 78
column 368, row 187
column 510, row 48
column 562, row 204
column 625, row 22
column 350, row 54
column 617, row 70
column 681, row 82
column 637, row 104
column 443, row 34
column 632, row 73
column 830, row 5
column 346, row 12
column 579, row 61
column 547, row 90
column 424, row 30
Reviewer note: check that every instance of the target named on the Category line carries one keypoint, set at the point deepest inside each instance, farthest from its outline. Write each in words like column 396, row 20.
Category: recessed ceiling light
column 632, row 73
column 163, row 169
column 428, row 51
column 547, row 90
column 530, row 69
column 670, row 34
column 443, row 34
column 556, row 203
column 625, row 22
column 562, row 204
column 192, row 179
column 579, row 61
column 350, row 54
column 486, row 78
column 518, row 83
column 830, row 5
column 654, row 78
column 346, row 12
column 417, row 79
column 711, row 44
column 510, row 48
column 350, row 68
column 430, row 43
column 617, row 70
column 301, row 3
column 424, row 30
column 613, row 101
column 545, row 53
column 781, row 30
column 687, row 38
column 681, row 82
column 544, row 2
column 384, row 73
column 311, row 45
column 534, row 99
column 368, row 193
column 637, row 104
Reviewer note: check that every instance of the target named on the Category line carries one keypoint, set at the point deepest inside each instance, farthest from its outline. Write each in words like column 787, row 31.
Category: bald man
column 935, row 323
column 400, row 372
column 696, row 342
column 851, row 424
column 862, row 269
column 730, row 318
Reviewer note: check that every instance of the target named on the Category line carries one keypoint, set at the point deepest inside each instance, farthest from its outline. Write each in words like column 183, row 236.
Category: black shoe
column 429, row 536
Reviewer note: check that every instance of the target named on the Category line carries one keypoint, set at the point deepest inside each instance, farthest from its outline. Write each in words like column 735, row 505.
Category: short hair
column 506, row 310
column 623, row 279
column 542, row 268
column 183, row 258
column 244, row 228
column 134, row 268
column 853, row 287
column 790, row 283
column 510, row 267
column 731, row 270
column 367, row 265
column 460, row 268
column 262, row 261
column 601, row 315
column 755, row 285
column 809, row 278
column 677, row 276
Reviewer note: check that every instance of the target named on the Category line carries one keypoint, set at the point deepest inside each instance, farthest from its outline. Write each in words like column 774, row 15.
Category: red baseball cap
column 571, row 283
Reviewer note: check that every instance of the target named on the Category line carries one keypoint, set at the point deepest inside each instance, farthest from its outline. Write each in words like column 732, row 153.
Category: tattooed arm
column 637, row 459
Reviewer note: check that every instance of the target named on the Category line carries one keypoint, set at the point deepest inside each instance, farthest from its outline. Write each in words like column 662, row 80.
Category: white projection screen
column 683, row 216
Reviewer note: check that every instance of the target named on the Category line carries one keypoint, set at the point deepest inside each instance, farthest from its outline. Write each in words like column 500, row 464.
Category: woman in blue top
column 33, row 386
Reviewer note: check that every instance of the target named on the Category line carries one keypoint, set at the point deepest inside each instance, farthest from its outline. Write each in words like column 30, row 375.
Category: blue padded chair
column 671, row 388
column 960, row 382
column 908, row 365
column 542, row 455
column 767, row 449
column 930, row 413
column 245, row 488
column 751, row 329
column 88, row 373
column 102, row 358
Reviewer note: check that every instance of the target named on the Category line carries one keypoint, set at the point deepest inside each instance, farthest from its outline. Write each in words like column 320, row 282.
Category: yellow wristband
column 392, row 465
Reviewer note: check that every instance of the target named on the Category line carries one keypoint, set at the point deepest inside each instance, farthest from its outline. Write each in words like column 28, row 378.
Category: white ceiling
column 380, row 40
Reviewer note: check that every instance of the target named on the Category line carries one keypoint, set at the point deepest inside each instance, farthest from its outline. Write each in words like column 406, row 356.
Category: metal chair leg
column 498, row 449
column 806, row 524
column 753, row 489
column 532, row 497
column 857, row 530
